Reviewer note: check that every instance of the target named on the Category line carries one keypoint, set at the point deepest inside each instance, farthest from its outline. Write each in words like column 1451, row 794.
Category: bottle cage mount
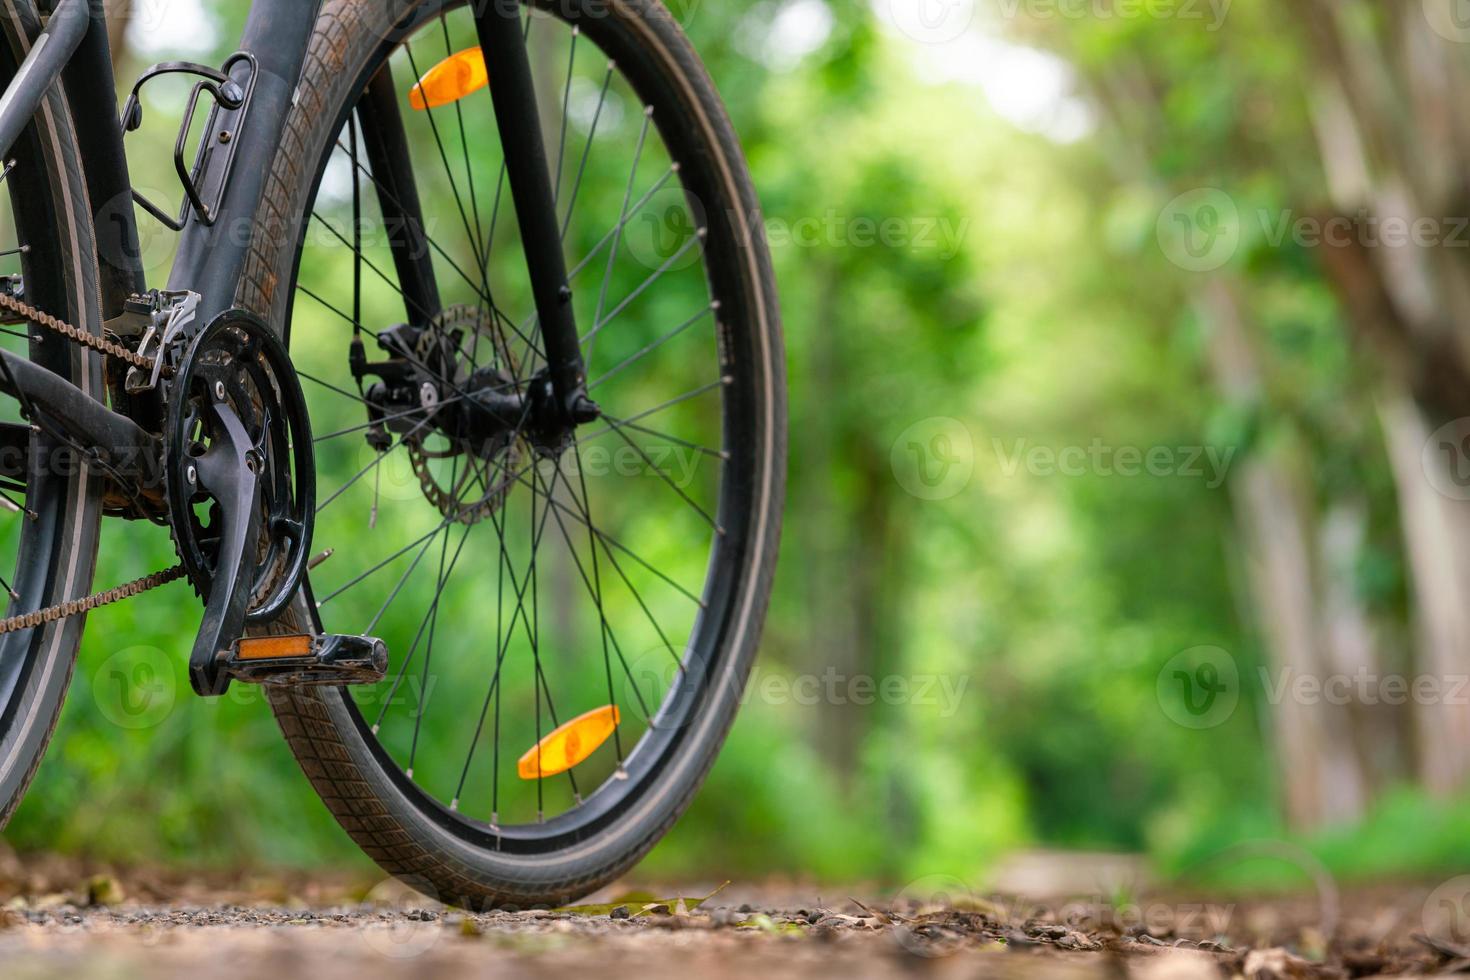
column 228, row 96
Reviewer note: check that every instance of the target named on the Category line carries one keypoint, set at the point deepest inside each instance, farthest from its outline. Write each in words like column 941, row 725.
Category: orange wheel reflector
column 570, row 743
column 271, row 647
column 453, row 78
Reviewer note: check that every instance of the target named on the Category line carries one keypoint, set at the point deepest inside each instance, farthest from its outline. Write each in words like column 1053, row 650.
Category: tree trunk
column 1322, row 777
column 1436, row 529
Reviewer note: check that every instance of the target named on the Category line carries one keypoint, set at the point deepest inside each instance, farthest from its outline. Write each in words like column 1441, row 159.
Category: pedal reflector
column 273, row 647
column 569, row 743
column 450, row 80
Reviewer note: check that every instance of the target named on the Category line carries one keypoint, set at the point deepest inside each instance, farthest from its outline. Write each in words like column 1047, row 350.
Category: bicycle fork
column 503, row 41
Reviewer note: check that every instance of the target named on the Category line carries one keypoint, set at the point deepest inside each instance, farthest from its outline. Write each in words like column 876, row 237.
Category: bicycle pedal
column 328, row 659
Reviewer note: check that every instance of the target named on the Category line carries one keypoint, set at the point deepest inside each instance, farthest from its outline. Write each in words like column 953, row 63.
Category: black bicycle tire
column 318, row 724
column 48, row 185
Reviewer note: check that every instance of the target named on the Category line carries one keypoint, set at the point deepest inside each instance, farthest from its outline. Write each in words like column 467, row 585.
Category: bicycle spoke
column 650, row 348
column 601, row 614
column 623, row 216
column 483, row 294
column 464, row 145
column 719, row 454
column 382, row 564
column 501, row 565
column 371, row 265
column 407, row 413
column 331, row 387
column 663, row 406
column 594, row 589
column 617, row 228
column 584, row 506
column 566, row 101
column 402, row 441
column 614, row 542
column 444, row 158
column 356, row 233
column 418, row 637
column 642, row 454
column 418, row 720
column 586, row 152
column 697, row 239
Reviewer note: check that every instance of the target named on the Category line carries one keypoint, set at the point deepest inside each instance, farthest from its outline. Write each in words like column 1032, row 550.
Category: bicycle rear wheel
column 51, row 499
column 625, row 576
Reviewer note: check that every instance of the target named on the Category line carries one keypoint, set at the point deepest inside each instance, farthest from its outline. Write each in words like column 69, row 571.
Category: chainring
column 456, row 342
column 238, row 360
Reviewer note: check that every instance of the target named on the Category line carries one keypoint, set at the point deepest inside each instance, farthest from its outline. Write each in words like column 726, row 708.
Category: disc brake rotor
column 467, row 483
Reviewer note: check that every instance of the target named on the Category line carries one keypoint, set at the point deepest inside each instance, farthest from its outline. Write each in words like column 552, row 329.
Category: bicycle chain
column 100, row 344
column 76, row 607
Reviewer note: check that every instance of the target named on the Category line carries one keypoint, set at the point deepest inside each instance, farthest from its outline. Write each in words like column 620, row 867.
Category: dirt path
column 98, row 926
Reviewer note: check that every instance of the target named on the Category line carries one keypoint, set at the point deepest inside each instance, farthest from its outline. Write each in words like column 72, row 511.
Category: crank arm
column 230, row 471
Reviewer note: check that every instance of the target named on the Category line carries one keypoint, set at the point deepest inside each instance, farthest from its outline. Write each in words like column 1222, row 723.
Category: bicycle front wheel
column 621, row 579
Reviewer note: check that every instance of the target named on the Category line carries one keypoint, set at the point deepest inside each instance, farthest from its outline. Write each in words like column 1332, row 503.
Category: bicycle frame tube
column 211, row 257
column 49, row 54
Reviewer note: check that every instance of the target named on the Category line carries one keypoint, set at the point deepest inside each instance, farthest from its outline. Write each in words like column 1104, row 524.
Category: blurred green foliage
column 1025, row 297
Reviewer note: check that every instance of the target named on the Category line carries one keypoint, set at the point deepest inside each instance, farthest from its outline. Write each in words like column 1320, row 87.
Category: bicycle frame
column 73, row 49
column 253, row 95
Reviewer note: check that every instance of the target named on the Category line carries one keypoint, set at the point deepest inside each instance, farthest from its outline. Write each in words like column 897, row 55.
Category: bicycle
column 373, row 346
